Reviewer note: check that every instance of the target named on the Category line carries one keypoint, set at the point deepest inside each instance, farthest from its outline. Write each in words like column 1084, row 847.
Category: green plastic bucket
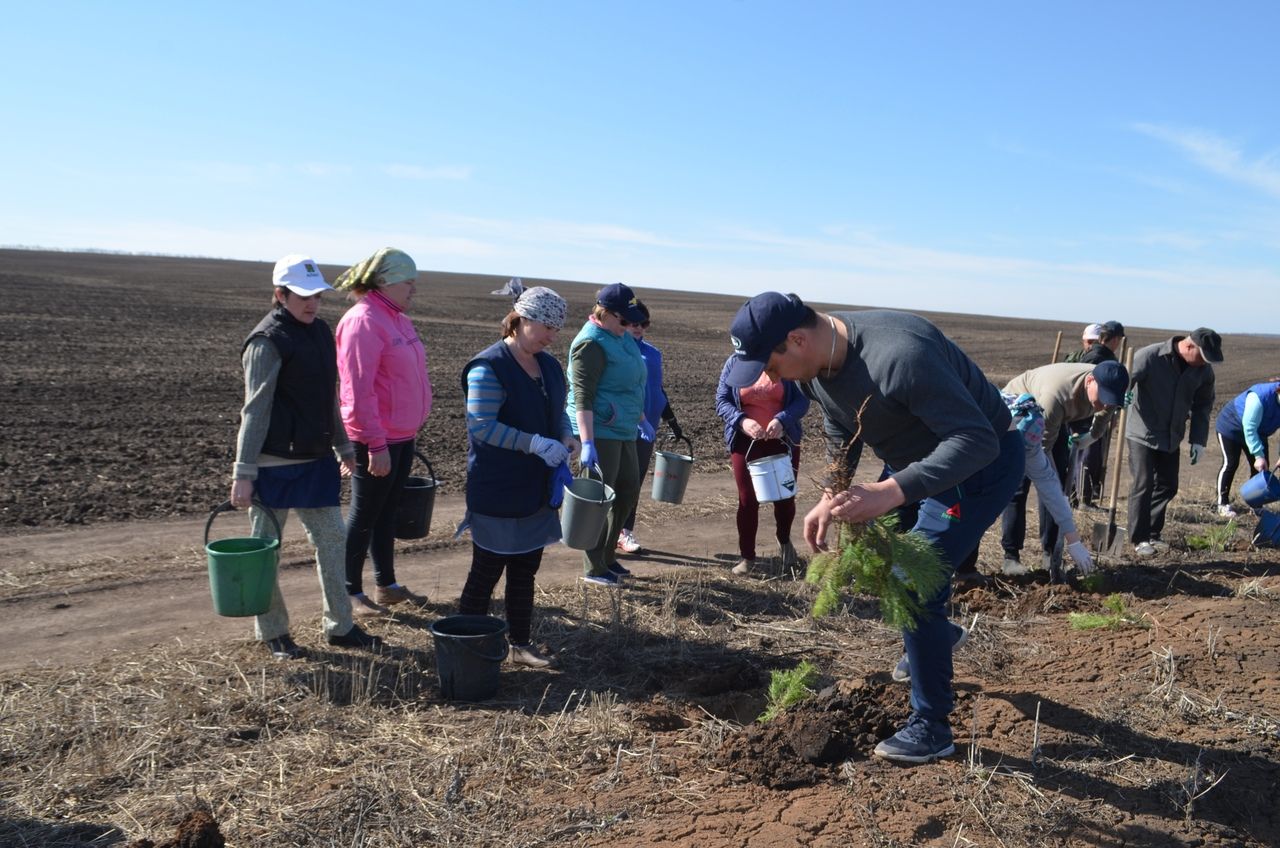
column 469, row 654
column 242, row 571
column 671, row 475
column 586, row 506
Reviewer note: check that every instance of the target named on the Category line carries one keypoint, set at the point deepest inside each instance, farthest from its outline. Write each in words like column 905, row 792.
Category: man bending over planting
column 893, row 381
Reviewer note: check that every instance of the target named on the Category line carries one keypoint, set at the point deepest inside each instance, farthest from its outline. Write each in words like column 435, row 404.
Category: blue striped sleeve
column 485, row 397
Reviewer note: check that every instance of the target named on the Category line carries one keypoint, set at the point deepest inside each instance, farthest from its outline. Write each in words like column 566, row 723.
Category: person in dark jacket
column 761, row 420
column 1093, row 464
column 519, row 437
column 1243, row 426
column 1173, row 384
column 290, row 442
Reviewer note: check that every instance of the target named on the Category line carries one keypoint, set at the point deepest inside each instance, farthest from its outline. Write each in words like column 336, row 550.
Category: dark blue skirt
column 307, row 485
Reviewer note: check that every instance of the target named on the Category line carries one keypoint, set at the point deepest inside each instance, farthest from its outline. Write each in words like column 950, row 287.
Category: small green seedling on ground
column 1214, row 539
column 1117, row 615
column 876, row 559
column 788, row 688
column 1095, row 583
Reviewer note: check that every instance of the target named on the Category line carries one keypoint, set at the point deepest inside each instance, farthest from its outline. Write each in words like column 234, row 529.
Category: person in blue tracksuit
column 1243, row 426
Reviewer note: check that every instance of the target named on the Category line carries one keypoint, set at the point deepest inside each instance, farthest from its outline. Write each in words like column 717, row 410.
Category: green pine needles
column 788, row 688
column 875, row 559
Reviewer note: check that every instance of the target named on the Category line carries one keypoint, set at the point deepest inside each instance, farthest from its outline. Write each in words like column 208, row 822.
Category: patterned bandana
column 543, row 305
column 1028, row 417
column 385, row 268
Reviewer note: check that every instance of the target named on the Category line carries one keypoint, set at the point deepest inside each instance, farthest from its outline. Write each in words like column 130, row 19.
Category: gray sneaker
column 959, row 636
column 1012, row 568
column 921, row 741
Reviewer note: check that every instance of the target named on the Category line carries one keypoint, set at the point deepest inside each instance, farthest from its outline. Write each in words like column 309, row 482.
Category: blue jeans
column 979, row 501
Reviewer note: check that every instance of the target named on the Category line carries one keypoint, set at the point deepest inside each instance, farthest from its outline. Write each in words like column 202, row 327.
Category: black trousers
column 1155, row 483
column 486, row 568
column 1231, row 450
column 371, row 520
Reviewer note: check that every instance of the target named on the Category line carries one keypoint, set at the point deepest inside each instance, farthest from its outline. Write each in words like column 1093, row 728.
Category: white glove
column 552, row 452
column 1080, row 556
column 1196, row 450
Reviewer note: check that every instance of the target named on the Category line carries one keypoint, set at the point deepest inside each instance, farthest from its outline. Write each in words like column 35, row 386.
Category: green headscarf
column 384, row 268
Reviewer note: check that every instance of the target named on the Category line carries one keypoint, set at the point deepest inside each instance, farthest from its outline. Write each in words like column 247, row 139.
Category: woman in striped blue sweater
column 520, row 444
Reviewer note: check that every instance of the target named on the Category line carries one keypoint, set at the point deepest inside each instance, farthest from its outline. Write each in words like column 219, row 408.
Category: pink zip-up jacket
column 385, row 392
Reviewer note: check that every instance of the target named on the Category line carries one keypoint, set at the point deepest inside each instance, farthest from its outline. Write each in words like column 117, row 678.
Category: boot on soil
column 387, row 596
column 1012, row 567
column 284, row 648
column 356, row 638
column 743, row 567
column 1144, row 550
column 528, row 656
column 921, row 741
column 362, row 606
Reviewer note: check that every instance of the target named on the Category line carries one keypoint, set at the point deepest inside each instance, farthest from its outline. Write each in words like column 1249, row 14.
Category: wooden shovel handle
column 1115, row 469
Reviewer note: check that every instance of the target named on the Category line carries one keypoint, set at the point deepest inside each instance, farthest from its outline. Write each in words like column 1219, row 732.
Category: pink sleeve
column 359, row 354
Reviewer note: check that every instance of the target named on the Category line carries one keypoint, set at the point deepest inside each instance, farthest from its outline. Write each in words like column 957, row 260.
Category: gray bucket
column 671, row 475
column 469, row 654
column 587, row 502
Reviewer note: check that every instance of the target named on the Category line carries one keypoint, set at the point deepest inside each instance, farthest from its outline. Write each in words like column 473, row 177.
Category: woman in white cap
column 290, row 442
column 386, row 398
column 606, row 404
column 520, row 443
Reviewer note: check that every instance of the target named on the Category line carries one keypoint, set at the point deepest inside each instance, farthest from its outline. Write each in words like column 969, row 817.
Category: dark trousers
column 644, row 453
column 784, row 512
column 1231, row 450
column 1155, row 483
column 486, row 568
column 1013, row 523
column 371, row 520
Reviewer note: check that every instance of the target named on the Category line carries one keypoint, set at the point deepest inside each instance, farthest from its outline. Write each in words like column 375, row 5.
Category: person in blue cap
column 607, row 378
column 894, row 382
column 1243, row 426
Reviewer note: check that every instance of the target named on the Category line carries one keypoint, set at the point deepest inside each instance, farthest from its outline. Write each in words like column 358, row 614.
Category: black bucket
column 413, row 520
column 469, row 654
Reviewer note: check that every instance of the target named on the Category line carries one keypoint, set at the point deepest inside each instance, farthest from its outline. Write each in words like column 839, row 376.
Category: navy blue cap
column 622, row 300
column 1113, row 381
column 1209, row 342
column 760, row 326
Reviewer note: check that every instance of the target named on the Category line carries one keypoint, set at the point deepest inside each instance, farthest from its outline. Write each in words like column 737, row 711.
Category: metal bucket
column 242, row 571
column 772, row 478
column 413, row 517
column 1260, row 489
column 587, row 502
column 671, row 475
column 1268, row 533
column 469, row 654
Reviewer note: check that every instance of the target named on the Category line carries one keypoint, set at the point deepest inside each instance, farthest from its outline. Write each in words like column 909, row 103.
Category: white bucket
column 772, row 478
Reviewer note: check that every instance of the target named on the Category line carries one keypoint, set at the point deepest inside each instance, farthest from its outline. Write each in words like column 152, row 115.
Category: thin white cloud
column 1219, row 156
column 418, row 172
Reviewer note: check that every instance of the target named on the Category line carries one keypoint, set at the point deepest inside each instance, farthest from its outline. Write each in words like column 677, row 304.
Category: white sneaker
column 743, row 567
column 627, row 542
column 1160, row 545
column 1013, row 568
column 1226, row 511
column 1144, row 549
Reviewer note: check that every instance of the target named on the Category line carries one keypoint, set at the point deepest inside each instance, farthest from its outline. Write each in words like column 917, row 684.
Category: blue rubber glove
column 589, row 456
column 645, row 431
column 560, row 478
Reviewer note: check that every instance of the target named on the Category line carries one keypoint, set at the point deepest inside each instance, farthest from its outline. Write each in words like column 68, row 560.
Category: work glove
column 1196, row 450
column 1128, row 399
column 549, row 450
column 589, row 456
column 675, row 428
column 1080, row 556
column 646, row 431
column 1080, row 441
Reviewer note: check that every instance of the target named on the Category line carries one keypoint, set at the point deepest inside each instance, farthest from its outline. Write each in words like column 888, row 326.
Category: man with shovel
column 1173, row 382
column 893, row 381
column 1069, row 393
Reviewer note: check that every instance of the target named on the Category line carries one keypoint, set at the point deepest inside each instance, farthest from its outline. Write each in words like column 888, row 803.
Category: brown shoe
column 527, row 655
column 390, row 595
column 363, row 607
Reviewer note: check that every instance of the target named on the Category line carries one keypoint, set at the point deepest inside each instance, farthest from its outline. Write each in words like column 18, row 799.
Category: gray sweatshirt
column 931, row 414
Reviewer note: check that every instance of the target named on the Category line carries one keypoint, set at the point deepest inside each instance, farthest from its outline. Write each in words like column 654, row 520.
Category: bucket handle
column 427, row 462
column 497, row 658
column 674, row 438
column 786, row 440
column 226, row 506
column 595, row 466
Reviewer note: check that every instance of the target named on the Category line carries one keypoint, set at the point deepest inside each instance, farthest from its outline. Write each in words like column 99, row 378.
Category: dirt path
column 83, row 593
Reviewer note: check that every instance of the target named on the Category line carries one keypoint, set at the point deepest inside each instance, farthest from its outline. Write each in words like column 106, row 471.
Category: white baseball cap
column 300, row 275
column 1093, row 332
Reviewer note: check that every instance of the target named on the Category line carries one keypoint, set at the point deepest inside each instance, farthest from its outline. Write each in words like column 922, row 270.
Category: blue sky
column 1080, row 162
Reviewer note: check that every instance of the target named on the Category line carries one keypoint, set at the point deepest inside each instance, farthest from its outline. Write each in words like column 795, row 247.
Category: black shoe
column 619, row 570
column 356, row 638
column 284, row 648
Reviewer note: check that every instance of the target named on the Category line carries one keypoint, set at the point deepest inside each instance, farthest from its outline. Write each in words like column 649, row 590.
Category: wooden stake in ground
column 1057, row 346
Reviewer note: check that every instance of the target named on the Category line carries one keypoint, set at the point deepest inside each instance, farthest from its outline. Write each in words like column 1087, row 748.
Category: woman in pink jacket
column 385, row 397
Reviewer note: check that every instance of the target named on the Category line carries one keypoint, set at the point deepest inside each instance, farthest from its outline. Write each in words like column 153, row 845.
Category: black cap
column 1113, row 329
column 760, row 326
column 621, row 299
column 1113, row 381
column 1209, row 342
